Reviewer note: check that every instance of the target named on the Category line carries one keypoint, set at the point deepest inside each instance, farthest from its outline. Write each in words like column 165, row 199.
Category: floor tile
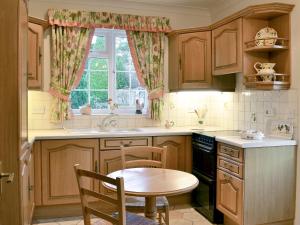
column 179, row 215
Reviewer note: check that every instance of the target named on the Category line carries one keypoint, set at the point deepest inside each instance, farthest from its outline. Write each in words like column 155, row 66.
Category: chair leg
column 87, row 219
column 167, row 219
column 160, row 218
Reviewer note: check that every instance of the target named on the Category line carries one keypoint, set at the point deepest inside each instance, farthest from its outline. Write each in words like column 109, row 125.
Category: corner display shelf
column 260, row 50
column 279, row 82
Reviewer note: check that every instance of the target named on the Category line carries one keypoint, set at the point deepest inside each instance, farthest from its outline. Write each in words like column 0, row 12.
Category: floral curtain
column 69, row 50
column 147, row 50
column 72, row 32
column 71, row 18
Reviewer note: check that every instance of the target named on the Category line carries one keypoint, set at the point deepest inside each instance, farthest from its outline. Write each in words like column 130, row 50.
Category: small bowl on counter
column 252, row 135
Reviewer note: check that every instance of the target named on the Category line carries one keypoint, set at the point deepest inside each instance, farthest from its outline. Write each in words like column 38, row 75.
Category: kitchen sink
column 84, row 131
column 97, row 131
column 124, row 130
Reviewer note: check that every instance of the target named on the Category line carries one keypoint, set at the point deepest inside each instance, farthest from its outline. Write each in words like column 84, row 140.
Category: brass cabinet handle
column 126, row 145
column 227, row 177
column 10, row 177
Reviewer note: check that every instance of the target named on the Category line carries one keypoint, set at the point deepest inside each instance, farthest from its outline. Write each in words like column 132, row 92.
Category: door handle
column 9, row 176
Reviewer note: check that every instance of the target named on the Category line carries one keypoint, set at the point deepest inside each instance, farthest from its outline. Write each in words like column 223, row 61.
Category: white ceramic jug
column 264, row 68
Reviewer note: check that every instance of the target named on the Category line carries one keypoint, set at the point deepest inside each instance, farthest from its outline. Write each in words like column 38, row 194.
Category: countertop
column 265, row 142
column 153, row 131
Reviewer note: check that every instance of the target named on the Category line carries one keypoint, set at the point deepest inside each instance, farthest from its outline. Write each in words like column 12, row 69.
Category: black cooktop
column 219, row 133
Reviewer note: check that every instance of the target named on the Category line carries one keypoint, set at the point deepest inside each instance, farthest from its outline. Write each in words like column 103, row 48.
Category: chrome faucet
column 108, row 121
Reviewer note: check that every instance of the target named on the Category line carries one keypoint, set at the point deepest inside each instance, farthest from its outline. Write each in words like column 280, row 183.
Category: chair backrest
column 157, row 162
column 118, row 202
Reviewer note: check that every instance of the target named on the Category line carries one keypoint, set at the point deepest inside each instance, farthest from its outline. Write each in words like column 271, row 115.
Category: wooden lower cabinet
column 256, row 185
column 230, row 196
column 179, row 151
column 27, row 186
column 58, row 157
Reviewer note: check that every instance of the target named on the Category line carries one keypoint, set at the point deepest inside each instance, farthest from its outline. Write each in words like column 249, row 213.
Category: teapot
column 169, row 124
column 265, row 69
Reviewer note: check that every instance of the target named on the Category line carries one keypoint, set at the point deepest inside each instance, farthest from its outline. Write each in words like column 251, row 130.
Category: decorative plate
column 268, row 35
column 280, row 129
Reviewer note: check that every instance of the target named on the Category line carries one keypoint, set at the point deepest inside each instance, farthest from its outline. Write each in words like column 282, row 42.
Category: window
column 109, row 73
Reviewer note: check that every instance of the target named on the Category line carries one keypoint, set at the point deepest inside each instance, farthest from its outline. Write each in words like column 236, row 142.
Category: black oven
column 204, row 198
column 205, row 169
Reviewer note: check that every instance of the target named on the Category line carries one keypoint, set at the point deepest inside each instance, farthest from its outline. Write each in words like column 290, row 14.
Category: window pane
column 79, row 98
column 122, row 44
column 99, row 80
column 98, row 64
column 134, row 81
column 124, row 62
column 122, row 80
column 98, row 43
column 122, row 97
column 84, row 81
column 99, row 99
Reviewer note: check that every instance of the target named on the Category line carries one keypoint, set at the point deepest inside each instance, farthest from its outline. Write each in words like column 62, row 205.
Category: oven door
column 204, row 159
column 204, row 198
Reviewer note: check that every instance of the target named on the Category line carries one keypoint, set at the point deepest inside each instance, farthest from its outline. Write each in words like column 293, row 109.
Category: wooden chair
column 121, row 217
column 137, row 204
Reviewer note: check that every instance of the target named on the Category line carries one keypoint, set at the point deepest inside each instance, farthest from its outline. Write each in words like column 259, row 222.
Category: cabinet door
column 195, row 60
column 176, row 155
column 27, row 175
column 227, row 48
column 59, row 184
column 35, row 59
column 230, row 196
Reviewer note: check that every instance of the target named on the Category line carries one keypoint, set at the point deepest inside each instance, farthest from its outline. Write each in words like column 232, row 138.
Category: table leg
column 150, row 207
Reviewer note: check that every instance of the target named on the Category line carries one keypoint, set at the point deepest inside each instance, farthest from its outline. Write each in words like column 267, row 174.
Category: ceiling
column 182, row 3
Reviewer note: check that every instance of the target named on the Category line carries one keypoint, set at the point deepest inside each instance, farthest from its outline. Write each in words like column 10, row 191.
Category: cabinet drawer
column 115, row 143
column 232, row 167
column 231, row 152
column 230, row 192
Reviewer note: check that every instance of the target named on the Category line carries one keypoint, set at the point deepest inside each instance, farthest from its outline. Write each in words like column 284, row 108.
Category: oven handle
column 202, row 147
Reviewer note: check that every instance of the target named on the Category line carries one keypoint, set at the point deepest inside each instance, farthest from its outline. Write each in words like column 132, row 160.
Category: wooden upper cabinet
column 35, row 56
column 227, row 48
column 190, row 61
column 58, row 157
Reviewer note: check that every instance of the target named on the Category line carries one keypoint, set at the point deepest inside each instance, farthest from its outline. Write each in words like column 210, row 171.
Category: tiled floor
column 178, row 216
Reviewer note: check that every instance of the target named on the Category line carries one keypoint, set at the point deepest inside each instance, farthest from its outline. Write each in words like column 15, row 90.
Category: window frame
column 109, row 53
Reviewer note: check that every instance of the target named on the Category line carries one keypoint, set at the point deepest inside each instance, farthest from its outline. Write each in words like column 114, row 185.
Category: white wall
column 180, row 17
column 231, row 6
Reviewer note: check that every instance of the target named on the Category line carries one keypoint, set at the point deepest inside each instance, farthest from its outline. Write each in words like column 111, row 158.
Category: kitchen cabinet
column 27, row 185
column 256, row 185
column 178, row 151
column 35, row 52
column 58, row 157
column 190, row 60
column 227, row 48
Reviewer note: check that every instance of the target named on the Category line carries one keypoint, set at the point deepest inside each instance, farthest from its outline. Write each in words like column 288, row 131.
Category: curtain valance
column 71, row 18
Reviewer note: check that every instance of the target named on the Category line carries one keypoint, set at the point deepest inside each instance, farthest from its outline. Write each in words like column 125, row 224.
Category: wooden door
column 35, row 59
column 58, row 158
column 13, row 131
column 230, row 196
column 227, row 48
column 176, row 155
column 195, row 60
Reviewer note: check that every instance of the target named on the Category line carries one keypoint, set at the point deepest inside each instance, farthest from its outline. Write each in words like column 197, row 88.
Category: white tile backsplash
column 226, row 110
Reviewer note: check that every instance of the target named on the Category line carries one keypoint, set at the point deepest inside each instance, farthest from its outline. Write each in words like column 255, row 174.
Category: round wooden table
column 153, row 182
